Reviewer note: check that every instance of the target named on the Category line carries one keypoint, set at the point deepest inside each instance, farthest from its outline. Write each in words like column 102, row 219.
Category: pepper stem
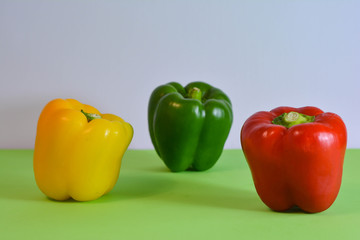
column 90, row 116
column 195, row 93
column 292, row 118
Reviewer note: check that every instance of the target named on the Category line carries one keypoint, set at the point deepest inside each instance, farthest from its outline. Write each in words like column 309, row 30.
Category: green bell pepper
column 189, row 126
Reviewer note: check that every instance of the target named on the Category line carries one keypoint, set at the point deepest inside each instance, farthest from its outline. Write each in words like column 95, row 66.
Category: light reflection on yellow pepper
column 74, row 158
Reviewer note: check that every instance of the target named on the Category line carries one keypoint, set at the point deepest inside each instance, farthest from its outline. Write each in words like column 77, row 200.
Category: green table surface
column 149, row 202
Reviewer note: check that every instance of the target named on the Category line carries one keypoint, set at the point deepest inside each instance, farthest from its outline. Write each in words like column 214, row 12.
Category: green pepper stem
column 195, row 93
column 90, row 116
column 292, row 118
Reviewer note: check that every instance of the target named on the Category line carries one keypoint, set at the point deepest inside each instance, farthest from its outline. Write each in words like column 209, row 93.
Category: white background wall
column 112, row 54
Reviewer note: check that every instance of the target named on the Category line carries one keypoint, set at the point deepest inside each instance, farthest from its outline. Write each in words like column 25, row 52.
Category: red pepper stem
column 90, row 116
column 292, row 118
column 195, row 93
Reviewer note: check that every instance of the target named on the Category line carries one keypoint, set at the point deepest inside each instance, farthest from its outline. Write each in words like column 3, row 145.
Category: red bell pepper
column 295, row 156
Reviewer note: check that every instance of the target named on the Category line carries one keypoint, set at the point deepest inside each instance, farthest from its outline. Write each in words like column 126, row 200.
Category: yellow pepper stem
column 90, row 116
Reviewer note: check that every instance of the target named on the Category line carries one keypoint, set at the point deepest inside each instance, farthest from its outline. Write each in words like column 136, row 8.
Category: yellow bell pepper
column 78, row 150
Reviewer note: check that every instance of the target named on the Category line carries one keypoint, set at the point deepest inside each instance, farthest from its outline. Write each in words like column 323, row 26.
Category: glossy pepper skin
column 76, row 158
column 189, row 126
column 297, row 166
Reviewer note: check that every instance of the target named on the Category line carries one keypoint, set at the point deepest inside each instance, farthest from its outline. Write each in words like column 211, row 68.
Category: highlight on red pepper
column 295, row 156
